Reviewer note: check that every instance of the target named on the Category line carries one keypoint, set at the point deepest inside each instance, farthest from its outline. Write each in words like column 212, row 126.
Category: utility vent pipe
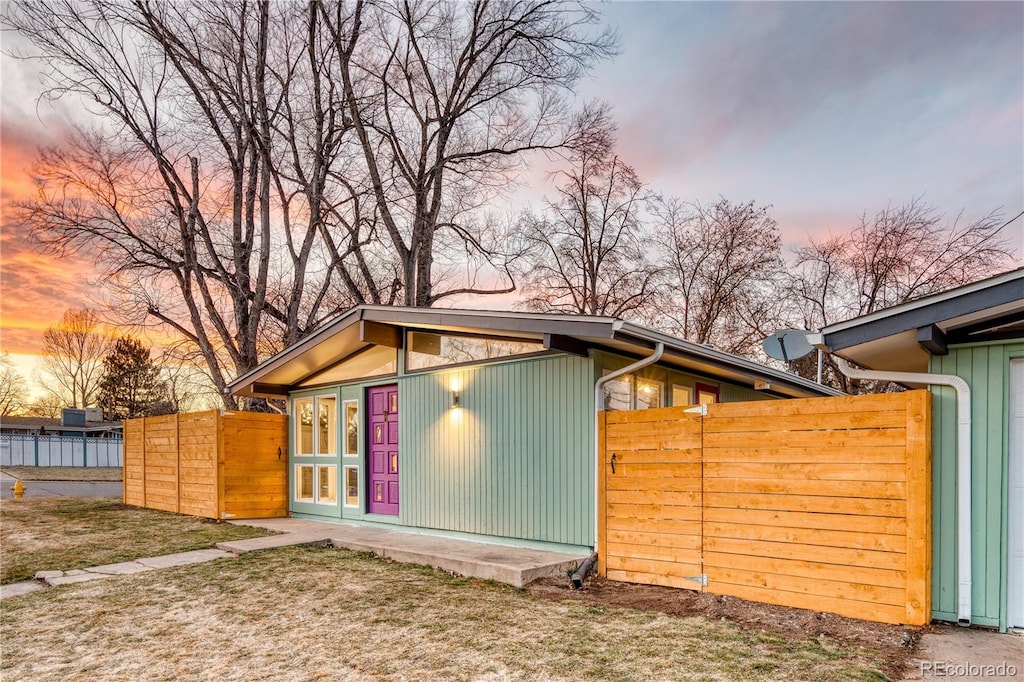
column 599, row 405
column 963, row 466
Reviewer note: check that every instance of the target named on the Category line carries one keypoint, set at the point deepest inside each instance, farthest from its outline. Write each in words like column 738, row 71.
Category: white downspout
column 598, row 406
column 963, row 466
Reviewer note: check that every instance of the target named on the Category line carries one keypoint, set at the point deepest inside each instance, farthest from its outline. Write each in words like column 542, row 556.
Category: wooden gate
column 821, row 503
column 653, row 499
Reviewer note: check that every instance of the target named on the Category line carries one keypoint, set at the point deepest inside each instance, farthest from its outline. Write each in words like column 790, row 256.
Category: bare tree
column 900, row 254
column 447, row 98
column 587, row 254
column 72, row 357
column 204, row 220
column 47, row 406
column 257, row 167
column 13, row 389
column 719, row 265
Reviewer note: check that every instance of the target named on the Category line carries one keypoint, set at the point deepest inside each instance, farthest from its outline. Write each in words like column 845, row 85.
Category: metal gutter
column 963, row 466
column 598, row 405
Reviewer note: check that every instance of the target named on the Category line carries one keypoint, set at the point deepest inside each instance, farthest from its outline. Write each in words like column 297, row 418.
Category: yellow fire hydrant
column 18, row 489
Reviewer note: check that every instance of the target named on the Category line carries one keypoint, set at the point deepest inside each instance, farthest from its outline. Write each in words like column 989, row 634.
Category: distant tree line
column 717, row 274
column 81, row 366
column 253, row 169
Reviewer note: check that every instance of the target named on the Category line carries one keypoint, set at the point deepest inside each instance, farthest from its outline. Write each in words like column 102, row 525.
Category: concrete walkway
column 513, row 565
column 516, row 566
column 950, row 652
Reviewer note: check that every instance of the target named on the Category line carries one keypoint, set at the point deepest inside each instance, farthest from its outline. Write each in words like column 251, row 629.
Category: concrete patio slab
column 517, row 566
column 955, row 653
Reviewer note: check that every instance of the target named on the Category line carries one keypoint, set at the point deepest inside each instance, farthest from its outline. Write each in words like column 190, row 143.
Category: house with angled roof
column 479, row 424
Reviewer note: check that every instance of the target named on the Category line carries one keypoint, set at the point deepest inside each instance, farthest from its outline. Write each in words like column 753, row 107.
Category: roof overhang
column 364, row 326
column 904, row 337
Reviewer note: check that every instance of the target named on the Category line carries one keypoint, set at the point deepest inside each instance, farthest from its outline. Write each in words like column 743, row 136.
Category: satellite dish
column 787, row 345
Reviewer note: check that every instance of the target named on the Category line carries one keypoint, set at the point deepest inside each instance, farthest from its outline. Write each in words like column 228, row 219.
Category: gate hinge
column 702, row 579
column 698, row 409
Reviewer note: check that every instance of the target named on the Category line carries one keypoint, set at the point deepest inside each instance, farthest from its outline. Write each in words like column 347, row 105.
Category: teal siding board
column 986, row 368
column 514, row 460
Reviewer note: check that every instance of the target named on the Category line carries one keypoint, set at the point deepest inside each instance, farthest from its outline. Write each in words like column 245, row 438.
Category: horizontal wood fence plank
column 818, row 554
column 825, row 537
column 877, row 490
column 811, row 570
column 864, row 610
column 893, row 596
column 818, row 471
column 853, row 421
column 808, row 503
column 803, row 439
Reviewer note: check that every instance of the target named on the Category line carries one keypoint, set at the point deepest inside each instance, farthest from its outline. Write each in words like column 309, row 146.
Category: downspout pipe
column 963, row 466
column 599, row 405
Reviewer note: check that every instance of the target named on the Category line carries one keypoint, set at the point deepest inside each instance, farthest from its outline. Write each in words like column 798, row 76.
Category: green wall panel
column 986, row 368
column 514, row 460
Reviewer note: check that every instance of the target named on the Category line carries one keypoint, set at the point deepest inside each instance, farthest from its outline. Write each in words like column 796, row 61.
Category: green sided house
column 969, row 342
column 475, row 423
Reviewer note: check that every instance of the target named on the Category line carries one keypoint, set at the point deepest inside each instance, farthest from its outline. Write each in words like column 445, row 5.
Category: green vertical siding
column 986, row 368
column 736, row 394
column 514, row 460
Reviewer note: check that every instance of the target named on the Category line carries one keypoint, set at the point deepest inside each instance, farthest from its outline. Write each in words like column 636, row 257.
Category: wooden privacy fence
column 822, row 503
column 215, row 464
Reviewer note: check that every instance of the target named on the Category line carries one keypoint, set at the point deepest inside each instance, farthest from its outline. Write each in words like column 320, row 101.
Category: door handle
column 613, row 462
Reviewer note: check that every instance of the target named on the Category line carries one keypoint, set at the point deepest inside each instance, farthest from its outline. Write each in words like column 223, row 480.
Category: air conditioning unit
column 93, row 414
column 70, row 416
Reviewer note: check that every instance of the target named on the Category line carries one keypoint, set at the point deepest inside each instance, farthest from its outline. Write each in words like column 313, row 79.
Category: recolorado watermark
column 947, row 669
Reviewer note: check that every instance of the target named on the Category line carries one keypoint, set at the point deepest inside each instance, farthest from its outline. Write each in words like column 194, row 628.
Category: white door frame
column 1015, row 498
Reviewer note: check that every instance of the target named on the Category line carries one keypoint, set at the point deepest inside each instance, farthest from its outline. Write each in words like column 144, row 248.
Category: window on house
column 706, row 394
column 316, row 426
column 351, row 416
column 649, row 393
column 351, row 486
column 327, row 484
column 304, row 483
column 682, row 395
column 304, row 426
column 618, row 393
column 426, row 350
column 327, row 440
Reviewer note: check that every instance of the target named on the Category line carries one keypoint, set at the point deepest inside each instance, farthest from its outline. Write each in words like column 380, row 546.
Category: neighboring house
column 28, row 426
column 477, row 422
column 975, row 332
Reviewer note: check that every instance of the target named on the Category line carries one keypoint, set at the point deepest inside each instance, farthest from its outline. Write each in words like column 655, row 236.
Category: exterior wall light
column 455, row 398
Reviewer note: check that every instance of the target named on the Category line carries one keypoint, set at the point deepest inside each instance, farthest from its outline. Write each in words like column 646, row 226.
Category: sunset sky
column 824, row 110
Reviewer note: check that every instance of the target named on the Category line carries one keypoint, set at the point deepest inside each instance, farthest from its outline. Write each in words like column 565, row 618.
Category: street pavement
column 61, row 488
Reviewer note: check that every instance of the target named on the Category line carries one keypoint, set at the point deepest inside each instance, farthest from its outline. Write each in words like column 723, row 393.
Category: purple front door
column 383, row 451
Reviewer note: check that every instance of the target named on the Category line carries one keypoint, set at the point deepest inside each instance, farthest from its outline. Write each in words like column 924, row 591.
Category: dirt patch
column 895, row 643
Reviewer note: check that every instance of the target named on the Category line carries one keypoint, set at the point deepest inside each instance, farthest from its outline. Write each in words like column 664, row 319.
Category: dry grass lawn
column 307, row 613
column 60, row 533
column 66, row 473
